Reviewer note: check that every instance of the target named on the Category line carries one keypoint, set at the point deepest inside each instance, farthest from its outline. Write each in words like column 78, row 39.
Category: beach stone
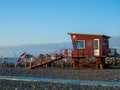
column 102, row 75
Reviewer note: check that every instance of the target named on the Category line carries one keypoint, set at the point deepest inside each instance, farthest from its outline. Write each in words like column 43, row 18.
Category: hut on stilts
column 89, row 50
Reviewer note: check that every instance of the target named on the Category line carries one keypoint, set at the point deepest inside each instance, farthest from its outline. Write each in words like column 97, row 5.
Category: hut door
column 96, row 47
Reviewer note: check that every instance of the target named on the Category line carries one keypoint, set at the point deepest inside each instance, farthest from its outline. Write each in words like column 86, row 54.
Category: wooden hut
column 89, row 50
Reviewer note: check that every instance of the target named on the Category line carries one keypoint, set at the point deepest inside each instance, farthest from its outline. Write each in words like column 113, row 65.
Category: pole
column 46, row 61
column 15, row 61
column 97, row 63
column 1, row 62
column 25, row 62
column 62, row 64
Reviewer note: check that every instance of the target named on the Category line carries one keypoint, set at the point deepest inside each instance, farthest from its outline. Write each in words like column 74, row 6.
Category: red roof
column 72, row 33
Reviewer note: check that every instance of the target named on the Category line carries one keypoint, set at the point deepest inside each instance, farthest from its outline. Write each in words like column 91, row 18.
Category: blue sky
column 48, row 21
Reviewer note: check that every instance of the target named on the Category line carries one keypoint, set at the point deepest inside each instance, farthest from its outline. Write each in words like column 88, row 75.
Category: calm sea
column 10, row 59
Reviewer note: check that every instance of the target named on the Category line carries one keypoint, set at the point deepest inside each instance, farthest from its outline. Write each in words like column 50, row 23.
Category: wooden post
column 101, row 66
column 30, row 63
column 1, row 62
column 15, row 61
column 102, row 63
column 62, row 65
column 46, row 61
column 74, row 64
column 97, row 63
column 71, row 62
column 25, row 60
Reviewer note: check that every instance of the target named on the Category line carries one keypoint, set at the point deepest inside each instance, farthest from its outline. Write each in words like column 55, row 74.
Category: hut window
column 95, row 43
column 80, row 44
column 105, row 42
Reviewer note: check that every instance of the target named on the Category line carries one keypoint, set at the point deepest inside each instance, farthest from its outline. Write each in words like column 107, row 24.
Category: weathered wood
column 15, row 61
column 25, row 61
column 97, row 63
column 83, row 63
column 45, row 62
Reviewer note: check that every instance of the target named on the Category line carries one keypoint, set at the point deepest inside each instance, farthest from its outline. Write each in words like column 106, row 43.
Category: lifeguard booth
column 89, row 50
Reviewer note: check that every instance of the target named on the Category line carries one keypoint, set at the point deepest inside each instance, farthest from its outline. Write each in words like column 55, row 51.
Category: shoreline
column 62, row 81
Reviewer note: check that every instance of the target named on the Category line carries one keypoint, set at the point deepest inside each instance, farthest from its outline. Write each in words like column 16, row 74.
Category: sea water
column 8, row 59
column 55, row 80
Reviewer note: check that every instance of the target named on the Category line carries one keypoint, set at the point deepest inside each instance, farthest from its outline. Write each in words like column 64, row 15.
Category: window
column 105, row 42
column 95, row 43
column 80, row 44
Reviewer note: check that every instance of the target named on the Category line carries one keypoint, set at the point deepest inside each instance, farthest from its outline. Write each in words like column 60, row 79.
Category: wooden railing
column 83, row 53
column 38, row 63
column 51, row 57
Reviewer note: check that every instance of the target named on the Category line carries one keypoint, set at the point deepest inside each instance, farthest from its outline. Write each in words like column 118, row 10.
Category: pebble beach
column 60, row 73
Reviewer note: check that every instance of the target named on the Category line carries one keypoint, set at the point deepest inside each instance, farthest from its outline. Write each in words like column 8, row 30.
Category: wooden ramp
column 37, row 64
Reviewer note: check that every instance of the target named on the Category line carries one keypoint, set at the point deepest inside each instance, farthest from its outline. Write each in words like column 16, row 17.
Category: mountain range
column 34, row 49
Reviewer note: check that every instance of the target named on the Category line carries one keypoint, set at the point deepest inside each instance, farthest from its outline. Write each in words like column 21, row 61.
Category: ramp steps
column 37, row 64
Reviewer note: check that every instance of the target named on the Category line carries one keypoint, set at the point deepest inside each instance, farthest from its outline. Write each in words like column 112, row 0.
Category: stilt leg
column 97, row 63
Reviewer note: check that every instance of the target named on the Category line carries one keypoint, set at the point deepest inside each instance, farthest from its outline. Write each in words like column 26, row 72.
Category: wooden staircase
column 37, row 64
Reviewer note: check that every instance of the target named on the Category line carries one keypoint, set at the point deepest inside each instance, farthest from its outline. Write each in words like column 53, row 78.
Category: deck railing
column 83, row 53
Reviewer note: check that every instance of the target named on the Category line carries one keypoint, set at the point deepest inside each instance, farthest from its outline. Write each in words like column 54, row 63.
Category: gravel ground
column 66, row 73
column 63, row 73
column 21, row 85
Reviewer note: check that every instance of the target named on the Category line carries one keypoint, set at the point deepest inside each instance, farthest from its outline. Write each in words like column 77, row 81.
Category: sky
column 24, row 22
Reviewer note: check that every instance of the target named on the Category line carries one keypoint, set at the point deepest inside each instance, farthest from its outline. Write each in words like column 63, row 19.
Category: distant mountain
column 36, row 49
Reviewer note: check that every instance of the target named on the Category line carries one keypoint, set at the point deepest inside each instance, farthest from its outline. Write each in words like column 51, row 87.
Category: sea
column 7, row 59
